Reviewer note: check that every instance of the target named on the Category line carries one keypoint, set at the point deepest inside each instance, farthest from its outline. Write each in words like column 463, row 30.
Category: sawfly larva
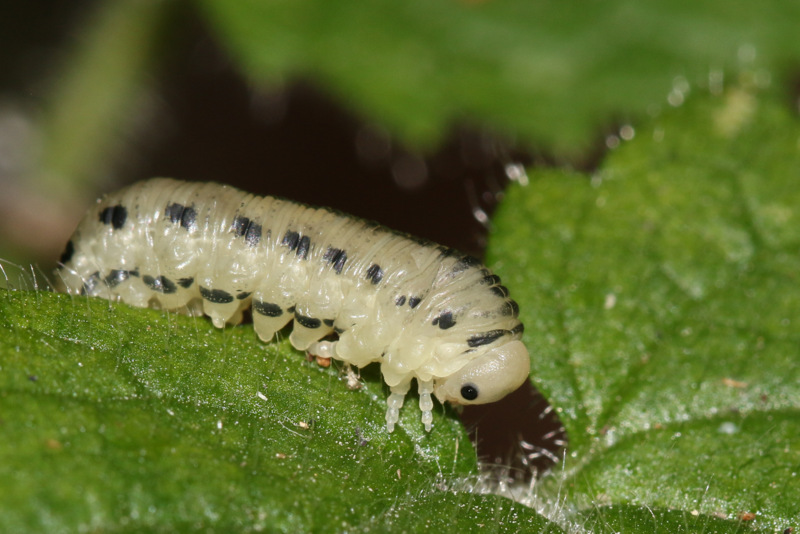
column 356, row 291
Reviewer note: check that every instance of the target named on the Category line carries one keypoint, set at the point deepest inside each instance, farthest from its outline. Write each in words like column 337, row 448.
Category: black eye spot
column 469, row 392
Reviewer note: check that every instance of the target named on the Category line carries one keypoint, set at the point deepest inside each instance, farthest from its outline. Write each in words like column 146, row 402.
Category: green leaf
column 124, row 419
column 625, row 518
column 548, row 71
column 660, row 298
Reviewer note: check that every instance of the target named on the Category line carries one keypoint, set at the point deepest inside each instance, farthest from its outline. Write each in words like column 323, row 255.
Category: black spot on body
column 308, row 322
column 338, row 330
column 375, row 273
column 250, row 230
column 491, row 280
column 90, row 284
column 444, row 320
column 216, row 296
column 465, row 262
column 327, row 322
column 267, row 308
column 500, row 291
column 399, row 301
column 174, row 212
column 291, row 239
column 520, row 328
column 485, row 338
column 115, row 216
column 336, row 257
column 303, row 246
column 290, row 309
column 185, row 282
column 511, row 308
column 243, row 295
column 69, row 250
column 115, row 277
column 253, row 234
column 180, row 214
column 239, row 225
column 160, row 284
column 413, row 302
column 189, row 218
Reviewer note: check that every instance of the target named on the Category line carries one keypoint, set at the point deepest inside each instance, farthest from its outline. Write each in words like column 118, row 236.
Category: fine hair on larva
column 355, row 290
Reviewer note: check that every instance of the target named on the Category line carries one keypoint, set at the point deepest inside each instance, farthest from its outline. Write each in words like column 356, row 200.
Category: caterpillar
column 356, row 291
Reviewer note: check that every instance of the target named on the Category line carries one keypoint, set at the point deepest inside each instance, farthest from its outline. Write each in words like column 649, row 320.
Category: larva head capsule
column 487, row 378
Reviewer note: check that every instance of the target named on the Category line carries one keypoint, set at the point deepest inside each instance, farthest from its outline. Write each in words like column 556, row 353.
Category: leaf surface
column 125, row 419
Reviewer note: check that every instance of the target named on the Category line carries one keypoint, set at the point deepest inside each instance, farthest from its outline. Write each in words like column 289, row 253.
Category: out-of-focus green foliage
column 551, row 72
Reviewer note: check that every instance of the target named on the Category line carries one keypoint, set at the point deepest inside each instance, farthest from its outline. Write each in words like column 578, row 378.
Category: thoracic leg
column 425, row 402
column 395, row 402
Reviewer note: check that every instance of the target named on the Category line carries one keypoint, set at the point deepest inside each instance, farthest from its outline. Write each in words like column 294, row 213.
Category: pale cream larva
column 421, row 310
